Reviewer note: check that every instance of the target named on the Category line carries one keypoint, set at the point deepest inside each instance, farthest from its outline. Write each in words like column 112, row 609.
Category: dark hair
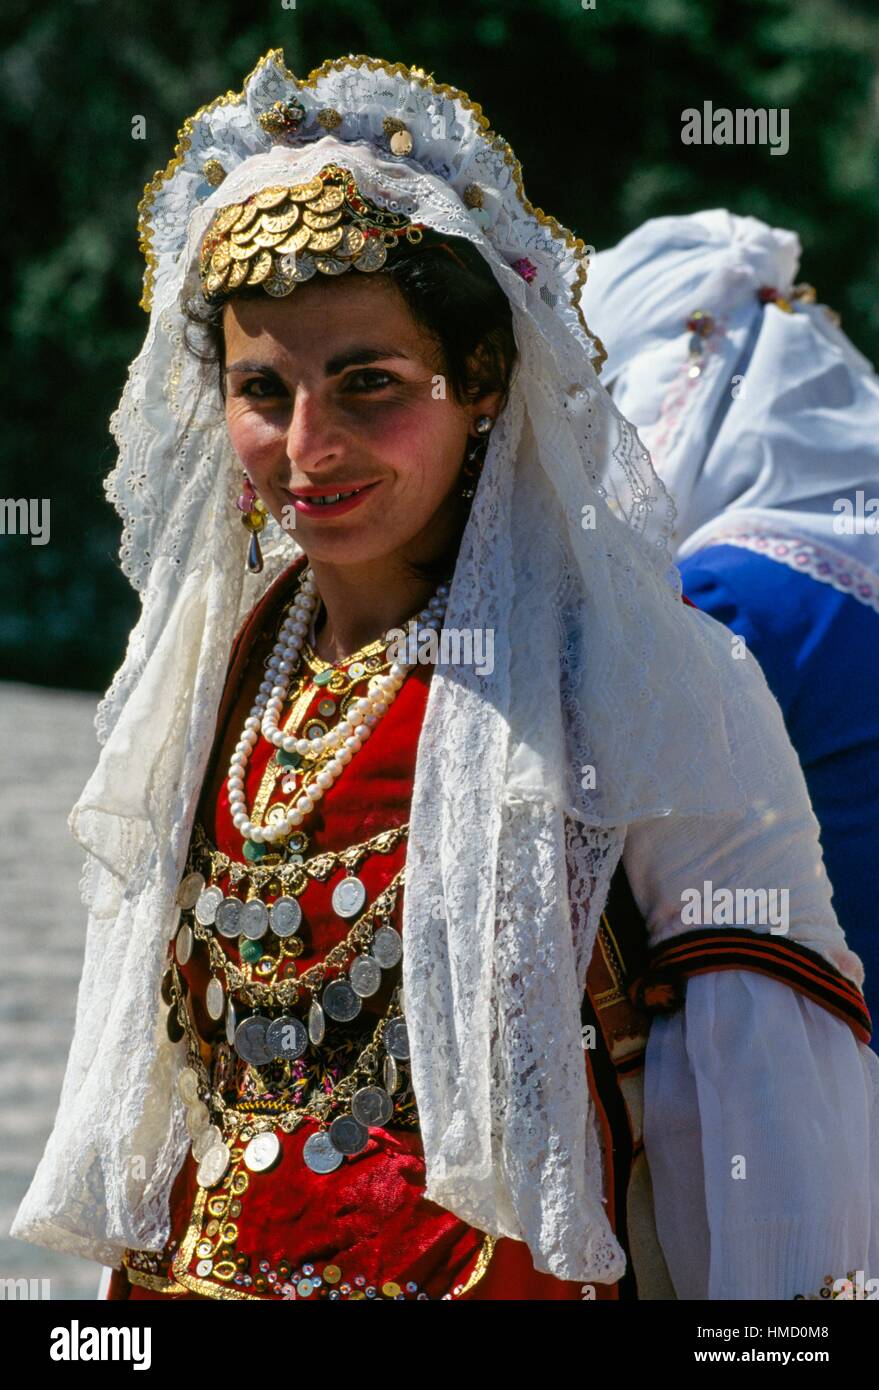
column 450, row 290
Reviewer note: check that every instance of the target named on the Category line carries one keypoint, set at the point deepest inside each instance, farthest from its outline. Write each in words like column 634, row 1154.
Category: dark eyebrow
column 359, row 356
column 251, row 367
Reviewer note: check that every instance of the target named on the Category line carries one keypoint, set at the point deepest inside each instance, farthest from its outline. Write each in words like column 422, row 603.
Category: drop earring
column 254, row 518
column 475, row 457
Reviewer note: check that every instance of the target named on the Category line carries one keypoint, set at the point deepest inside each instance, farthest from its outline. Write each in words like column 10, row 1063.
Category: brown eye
column 272, row 388
column 368, row 379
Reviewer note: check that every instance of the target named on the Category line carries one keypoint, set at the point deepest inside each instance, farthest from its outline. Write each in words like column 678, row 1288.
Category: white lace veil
column 597, row 665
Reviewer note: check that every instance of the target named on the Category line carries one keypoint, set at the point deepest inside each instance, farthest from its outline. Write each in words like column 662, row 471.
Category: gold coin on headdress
column 240, row 252
column 325, row 241
column 243, row 238
column 216, row 281
column 321, row 221
column 226, row 218
column 352, row 243
column 373, row 255
column 298, row 269
column 238, row 274
column 328, row 265
column 297, row 241
column 221, row 257
column 213, row 172
column 332, row 197
column 264, row 238
column 282, row 221
column 249, row 211
column 278, row 285
column 261, row 268
column 304, row 192
column 270, row 197
column 401, row 142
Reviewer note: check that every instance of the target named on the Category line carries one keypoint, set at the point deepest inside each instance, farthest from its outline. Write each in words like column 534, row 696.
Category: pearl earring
column 475, row 457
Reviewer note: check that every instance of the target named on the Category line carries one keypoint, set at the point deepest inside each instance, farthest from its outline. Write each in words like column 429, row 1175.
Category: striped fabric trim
column 660, row 989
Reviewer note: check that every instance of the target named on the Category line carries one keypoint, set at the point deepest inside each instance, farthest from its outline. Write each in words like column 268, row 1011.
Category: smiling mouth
column 328, row 499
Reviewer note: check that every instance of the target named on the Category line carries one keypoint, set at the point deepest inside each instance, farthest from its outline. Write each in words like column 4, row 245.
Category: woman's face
column 334, row 389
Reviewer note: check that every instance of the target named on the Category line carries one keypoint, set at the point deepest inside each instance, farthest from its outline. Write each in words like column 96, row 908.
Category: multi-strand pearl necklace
column 344, row 740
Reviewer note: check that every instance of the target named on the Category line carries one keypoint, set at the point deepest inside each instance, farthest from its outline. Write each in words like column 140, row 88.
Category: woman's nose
column 311, row 436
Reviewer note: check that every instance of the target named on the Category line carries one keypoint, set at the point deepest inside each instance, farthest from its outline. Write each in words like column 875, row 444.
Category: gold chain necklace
column 205, row 861
column 286, row 992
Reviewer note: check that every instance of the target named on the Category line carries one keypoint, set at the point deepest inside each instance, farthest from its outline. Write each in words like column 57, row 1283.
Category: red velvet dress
column 364, row 1230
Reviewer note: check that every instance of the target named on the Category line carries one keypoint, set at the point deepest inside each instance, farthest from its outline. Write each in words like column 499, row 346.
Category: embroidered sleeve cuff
column 660, row 989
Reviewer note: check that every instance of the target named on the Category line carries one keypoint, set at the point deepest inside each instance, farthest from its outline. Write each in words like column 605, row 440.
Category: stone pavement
column 48, row 750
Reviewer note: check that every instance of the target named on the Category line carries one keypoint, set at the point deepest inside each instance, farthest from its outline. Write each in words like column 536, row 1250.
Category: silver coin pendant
column 262, row 1152
column 348, row 1135
column 183, row 944
column 227, row 917
column 340, row 1001
column 286, row 916
column 349, row 896
column 191, row 886
column 231, row 1023
column 390, row 1075
column 254, row 920
column 396, row 1039
column 372, row 1106
column 187, row 1085
column 365, row 975
column 387, row 947
column 197, row 1118
column 208, row 1139
column 206, row 907
column 320, row 1154
column 250, row 1041
column 213, row 1166
column 317, row 1024
column 215, row 999
column 287, row 1037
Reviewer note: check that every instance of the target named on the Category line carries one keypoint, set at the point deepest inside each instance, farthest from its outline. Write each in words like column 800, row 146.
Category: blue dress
column 819, row 650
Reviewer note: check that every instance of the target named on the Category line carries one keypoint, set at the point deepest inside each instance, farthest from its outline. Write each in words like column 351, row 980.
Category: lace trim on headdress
column 272, row 80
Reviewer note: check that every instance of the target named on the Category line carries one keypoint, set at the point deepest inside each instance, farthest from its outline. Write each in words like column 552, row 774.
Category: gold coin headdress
column 282, row 236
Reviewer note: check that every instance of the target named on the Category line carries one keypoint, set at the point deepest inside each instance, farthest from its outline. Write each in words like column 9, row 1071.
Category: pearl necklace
column 344, row 740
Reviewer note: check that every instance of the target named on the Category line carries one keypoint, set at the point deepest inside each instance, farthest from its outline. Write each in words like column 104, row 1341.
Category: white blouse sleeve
column 761, row 1123
column 761, row 1130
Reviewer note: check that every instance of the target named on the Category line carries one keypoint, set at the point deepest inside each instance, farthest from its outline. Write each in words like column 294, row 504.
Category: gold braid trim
column 154, row 1282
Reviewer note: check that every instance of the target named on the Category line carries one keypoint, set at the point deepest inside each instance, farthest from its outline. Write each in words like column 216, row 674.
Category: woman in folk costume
column 762, row 420
column 293, row 1074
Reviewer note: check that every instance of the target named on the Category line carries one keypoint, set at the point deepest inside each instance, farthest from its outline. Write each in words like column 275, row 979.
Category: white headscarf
column 783, row 420
column 564, row 556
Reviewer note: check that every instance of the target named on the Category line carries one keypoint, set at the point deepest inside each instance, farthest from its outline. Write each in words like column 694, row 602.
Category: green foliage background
column 590, row 100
